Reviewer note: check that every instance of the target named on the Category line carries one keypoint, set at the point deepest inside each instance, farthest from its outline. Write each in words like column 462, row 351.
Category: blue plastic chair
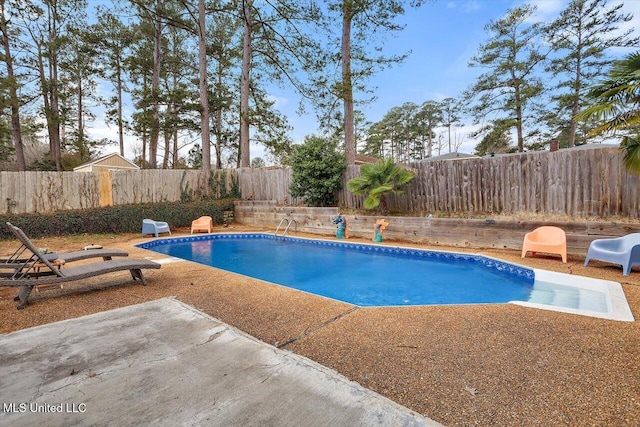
column 620, row 250
column 150, row 226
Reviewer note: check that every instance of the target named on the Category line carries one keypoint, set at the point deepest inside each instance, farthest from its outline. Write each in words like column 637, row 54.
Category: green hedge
column 114, row 219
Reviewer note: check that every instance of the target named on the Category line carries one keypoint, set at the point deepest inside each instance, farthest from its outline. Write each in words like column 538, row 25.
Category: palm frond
column 631, row 158
column 380, row 190
column 371, row 202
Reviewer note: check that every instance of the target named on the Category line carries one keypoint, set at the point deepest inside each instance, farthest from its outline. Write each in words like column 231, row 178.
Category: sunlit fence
column 578, row 182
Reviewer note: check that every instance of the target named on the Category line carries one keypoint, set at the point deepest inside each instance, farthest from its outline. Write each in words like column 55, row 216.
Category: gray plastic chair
column 150, row 226
column 620, row 250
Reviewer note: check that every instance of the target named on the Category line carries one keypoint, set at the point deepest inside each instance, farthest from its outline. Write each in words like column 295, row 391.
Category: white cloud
column 468, row 6
column 279, row 101
column 471, row 6
column 548, row 9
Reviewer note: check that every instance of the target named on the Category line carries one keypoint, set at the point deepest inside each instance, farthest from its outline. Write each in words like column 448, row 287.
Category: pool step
column 562, row 296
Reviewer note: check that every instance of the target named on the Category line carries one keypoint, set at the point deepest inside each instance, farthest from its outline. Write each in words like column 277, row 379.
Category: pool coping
column 617, row 306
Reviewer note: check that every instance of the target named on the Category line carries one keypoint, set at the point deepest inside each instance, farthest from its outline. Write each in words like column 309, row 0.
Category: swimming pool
column 371, row 275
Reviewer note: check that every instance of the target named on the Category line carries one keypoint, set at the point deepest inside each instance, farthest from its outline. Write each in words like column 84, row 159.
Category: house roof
column 450, row 156
column 362, row 159
column 105, row 159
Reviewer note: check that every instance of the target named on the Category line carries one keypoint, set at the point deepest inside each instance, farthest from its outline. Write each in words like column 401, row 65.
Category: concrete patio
column 165, row 363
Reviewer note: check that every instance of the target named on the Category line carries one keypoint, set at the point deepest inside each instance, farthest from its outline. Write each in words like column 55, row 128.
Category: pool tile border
column 521, row 273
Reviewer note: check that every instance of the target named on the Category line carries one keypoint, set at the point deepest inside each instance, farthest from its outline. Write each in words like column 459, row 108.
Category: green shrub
column 317, row 171
column 114, row 219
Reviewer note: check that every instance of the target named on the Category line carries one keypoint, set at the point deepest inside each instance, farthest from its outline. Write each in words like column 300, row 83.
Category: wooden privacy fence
column 31, row 192
column 267, row 184
column 579, row 182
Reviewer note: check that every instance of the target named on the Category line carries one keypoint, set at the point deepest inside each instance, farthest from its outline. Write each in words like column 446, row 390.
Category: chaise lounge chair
column 65, row 257
column 150, row 226
column 39, row 270
column 620, row 250
column 204, row 223
column 547, row 239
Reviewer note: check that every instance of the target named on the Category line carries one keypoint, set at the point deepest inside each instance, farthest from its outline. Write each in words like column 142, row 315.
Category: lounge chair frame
column 105, row 254
column 40, row 270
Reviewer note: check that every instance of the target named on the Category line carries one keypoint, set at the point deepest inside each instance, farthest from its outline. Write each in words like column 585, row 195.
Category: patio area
column 458, row 365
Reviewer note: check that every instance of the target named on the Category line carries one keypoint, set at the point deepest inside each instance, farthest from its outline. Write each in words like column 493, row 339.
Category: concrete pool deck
column 165, row 363
column 483, row 365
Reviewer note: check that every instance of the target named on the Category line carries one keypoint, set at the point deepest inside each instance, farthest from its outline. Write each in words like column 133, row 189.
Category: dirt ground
column 484, row 365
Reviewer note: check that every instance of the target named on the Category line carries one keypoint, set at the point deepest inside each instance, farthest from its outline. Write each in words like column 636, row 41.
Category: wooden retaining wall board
column 470, row 233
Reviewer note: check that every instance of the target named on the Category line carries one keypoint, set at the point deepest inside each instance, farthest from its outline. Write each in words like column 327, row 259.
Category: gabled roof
column 104, row 160
column 362, row 159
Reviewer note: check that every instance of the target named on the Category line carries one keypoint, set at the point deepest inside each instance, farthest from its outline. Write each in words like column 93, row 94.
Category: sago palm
column 377, row 180
column 617, row 105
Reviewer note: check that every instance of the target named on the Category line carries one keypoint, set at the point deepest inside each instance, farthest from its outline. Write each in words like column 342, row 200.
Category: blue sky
column 442, row 36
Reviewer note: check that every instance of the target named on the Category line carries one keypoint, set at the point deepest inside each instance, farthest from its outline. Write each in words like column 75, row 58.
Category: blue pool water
column 365, row 275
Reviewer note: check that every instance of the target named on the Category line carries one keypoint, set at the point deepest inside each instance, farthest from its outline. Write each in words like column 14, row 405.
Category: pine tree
column 510, row 86
column 582, row 36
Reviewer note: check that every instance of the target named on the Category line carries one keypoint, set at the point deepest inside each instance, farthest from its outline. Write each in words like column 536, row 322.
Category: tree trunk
column 120, row 124
column 218, row 123
column 175, row 158
column 84, row 154
column 518, row 111
column 16, row 131
column 167, row 146
column 384, row 208
column 245, row 86
column 347, row 87
column 54, row 112
column 53, row 129
column 575, row 105
column 155, row 94
column 204, row 93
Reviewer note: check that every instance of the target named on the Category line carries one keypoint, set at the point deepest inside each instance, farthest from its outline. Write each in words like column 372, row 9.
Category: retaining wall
column 470, row 233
